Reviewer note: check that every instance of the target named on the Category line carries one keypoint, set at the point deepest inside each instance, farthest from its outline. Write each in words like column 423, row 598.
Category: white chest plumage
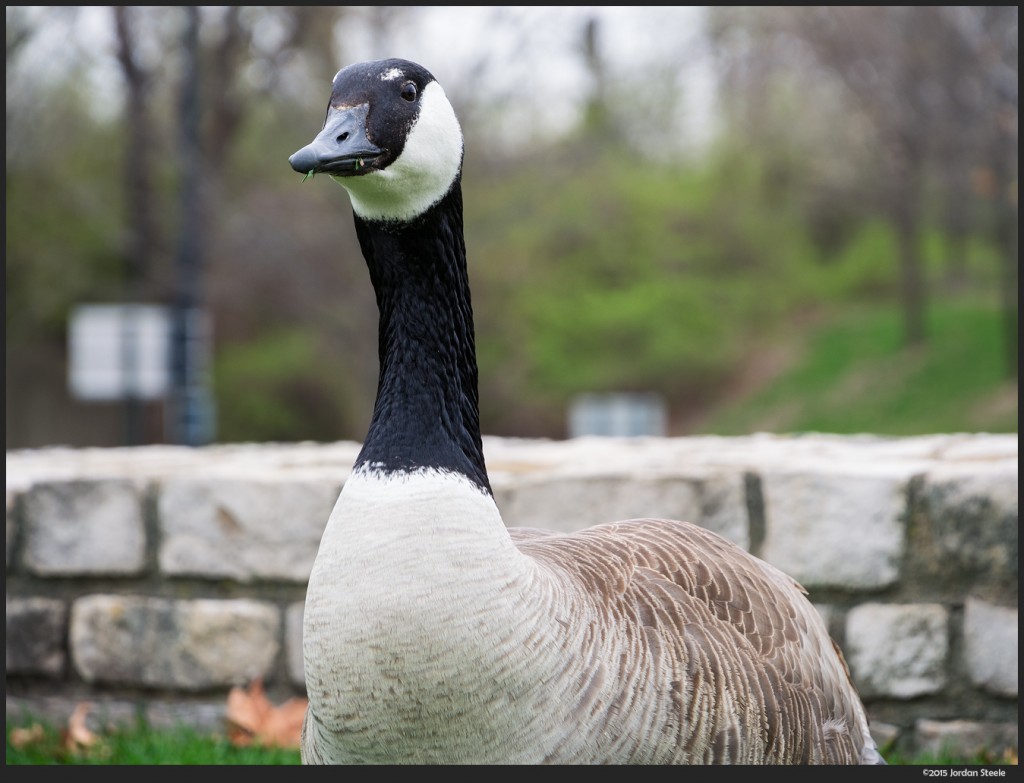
column 429, row 637
column 415, row 574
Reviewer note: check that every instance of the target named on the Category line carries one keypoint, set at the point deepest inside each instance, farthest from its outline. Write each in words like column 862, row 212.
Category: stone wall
column 151, row 580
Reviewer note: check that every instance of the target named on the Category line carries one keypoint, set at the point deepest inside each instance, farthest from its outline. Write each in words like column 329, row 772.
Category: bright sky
column 539, row 46
column 533, row 51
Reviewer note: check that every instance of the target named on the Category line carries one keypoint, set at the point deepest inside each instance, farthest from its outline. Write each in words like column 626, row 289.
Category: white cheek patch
column 424, row 172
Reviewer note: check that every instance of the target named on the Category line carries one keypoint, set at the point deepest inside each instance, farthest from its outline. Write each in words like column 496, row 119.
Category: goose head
column 390, row 138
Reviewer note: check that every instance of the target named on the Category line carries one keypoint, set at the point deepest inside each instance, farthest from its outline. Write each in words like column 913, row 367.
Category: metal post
column 191, row 402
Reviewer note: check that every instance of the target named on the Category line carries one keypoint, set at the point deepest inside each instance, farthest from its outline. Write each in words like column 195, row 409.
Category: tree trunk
column 905, row 206
column 141, row 231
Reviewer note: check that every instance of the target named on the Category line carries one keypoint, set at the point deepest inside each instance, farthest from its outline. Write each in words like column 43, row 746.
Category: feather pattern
column 732, row 640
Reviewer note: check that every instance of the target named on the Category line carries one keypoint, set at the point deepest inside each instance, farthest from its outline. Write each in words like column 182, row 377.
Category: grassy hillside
column 853, row 374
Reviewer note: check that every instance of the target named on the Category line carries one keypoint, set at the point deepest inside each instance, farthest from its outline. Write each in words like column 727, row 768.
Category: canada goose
column 433, row 633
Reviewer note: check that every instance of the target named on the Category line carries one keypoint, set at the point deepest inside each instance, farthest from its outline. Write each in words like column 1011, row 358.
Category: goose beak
column 341, row 149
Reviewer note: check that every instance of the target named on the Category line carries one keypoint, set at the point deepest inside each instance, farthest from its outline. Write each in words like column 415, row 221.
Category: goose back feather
column 435, row 634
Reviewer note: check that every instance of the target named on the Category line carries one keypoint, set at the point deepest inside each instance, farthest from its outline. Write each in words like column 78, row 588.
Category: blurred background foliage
column 826, row 241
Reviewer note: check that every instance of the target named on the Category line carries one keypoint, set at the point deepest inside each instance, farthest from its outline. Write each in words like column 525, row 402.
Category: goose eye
column 409, row 91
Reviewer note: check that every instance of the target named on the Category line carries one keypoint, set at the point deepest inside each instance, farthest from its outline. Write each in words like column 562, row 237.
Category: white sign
column 119, row 351
column 618, row 415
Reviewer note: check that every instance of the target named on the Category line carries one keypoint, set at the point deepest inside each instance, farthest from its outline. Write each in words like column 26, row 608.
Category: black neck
column 426, row 414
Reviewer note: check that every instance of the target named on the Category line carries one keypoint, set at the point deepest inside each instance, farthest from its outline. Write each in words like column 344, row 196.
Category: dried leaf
column 22, row 737
column 284, row 725
column 253, row 719
column 78, row 736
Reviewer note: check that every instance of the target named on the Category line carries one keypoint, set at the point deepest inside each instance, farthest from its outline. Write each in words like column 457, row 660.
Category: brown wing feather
column 758, row 677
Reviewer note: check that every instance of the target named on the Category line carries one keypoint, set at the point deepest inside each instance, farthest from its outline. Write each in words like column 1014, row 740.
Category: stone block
column 990, row 639
column 84, row 528
column 897, row 650
column 573, row 502
column 243, row 530
column 971, row 525
column 35, row 636
column 165, row 644
column 832, row 529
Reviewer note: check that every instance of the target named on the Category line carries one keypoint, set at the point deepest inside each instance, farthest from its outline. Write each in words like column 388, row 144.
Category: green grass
column 950, row 759
column 854, row 374
column 141, row 745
